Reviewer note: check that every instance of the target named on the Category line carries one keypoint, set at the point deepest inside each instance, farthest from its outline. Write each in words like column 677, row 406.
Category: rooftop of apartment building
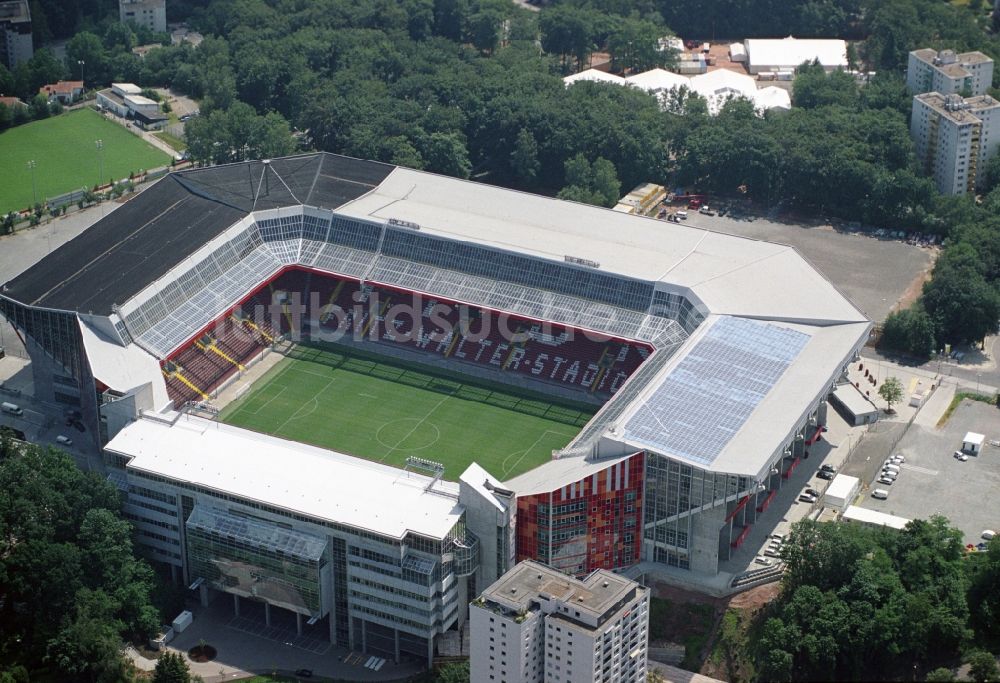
column 949, row 60
column 530, row 582
column 14, row 11
column 957, row 108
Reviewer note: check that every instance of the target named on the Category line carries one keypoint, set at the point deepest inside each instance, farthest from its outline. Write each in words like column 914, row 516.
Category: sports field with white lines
column 384, row 410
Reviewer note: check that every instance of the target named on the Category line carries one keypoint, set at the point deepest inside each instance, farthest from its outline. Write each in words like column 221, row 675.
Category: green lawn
column 66, row 157
column 384, row 410
column 172, row 140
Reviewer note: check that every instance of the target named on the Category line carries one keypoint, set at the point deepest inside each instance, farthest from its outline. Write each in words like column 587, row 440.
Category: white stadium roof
column 311, row 481
column 728, row 274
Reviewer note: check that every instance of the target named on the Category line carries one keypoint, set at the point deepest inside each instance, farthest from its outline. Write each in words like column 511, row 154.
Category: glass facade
column 57, row 333
column 593, row 523
column 253, row 558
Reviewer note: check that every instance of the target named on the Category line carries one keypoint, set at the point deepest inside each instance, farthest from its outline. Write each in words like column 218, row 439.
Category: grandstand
column 707, row 358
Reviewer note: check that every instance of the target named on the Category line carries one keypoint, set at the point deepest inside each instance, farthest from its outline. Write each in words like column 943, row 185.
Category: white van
column 64, row 440
column 682, row 215
column 988, row 534
column 881, row 494
column 891, row 468
column 11, row 408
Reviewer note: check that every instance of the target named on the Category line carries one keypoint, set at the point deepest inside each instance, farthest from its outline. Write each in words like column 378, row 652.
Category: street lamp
column 34, row 190
column 100, row 160
column 82, row 64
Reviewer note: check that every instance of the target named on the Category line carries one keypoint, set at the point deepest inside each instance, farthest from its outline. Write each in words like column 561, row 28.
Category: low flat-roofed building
column 537, row 624
column 783, row 54
column 841, row 491
column 853, row 406
column 873, row 518
column 973, row 443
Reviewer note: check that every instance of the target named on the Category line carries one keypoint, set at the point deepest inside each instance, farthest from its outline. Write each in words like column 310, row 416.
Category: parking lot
column 873, row 273
column 932, row 481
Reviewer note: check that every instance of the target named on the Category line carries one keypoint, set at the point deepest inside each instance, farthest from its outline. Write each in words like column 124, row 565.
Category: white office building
column 538, row 625
column 947, row 72
column 151, row 14
column 955, row 137
column 375, row 558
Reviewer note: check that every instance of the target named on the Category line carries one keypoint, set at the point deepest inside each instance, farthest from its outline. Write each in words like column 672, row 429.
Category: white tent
column 772, row 97
column 780, row 54
column 722, row 85
column 737, row 52
column 593, row 75
column 658, row 80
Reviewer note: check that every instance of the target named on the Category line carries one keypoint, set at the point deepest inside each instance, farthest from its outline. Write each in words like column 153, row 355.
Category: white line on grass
column 295, row 415
column 508, row 470
column 415, row 427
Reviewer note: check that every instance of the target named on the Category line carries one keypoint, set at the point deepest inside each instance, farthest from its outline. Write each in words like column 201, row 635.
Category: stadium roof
column 317, row 483
column 735, row 393
column 147, row 236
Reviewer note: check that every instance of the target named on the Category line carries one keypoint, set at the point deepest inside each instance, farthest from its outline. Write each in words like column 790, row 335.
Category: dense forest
column 859, row 603
column 71, row 588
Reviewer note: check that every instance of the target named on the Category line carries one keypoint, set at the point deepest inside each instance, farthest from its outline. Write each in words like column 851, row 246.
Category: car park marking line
column 921, row 470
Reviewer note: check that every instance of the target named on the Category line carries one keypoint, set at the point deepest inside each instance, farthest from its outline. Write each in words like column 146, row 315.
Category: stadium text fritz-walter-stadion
column 707, row 360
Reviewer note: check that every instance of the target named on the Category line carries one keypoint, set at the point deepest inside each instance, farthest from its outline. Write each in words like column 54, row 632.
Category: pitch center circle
column 408, row 434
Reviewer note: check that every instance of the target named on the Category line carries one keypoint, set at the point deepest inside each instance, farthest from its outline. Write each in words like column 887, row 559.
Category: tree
column 634, row 45
column 962, row 304
column 891, row 392
column 524, row 158
column 446, row 153
column 982, row 666
column 910, row 330
column 171, row 668
column 88, row 48
column 940, row 675
column 40, row 107
column 453, row 673
column 569, row 31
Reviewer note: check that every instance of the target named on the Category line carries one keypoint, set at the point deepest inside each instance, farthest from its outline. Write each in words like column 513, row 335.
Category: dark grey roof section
column 138, row 243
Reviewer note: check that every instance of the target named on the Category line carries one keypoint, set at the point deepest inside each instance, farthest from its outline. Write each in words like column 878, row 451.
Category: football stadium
column 459, row 377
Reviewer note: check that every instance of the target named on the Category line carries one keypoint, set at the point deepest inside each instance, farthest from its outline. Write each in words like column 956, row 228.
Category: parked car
column 682, row 215
column 988, row 534
column 881, row 494
column 813, row 492
column 959, row 455
column 304, row 673
column 806, row 498
column 779, row 537
column 886, row 480
column 767, row 562
column 707, row 211
column 64, row 440
column 888, row 474
column 900, row 457
column 772, row 553
column 823, row 474
column 828, row 468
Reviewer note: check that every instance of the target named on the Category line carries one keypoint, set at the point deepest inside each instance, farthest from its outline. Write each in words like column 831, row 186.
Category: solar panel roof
column 711, row 392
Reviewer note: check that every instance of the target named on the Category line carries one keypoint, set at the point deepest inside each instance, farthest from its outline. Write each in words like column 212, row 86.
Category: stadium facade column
column 236, row 604
column 267, row 613
column 298, row 623
column 396, row 657
column 203, row 594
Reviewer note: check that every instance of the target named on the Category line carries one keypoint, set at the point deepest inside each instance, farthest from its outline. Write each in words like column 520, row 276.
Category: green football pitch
column 66, row 156
column 384, row 410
